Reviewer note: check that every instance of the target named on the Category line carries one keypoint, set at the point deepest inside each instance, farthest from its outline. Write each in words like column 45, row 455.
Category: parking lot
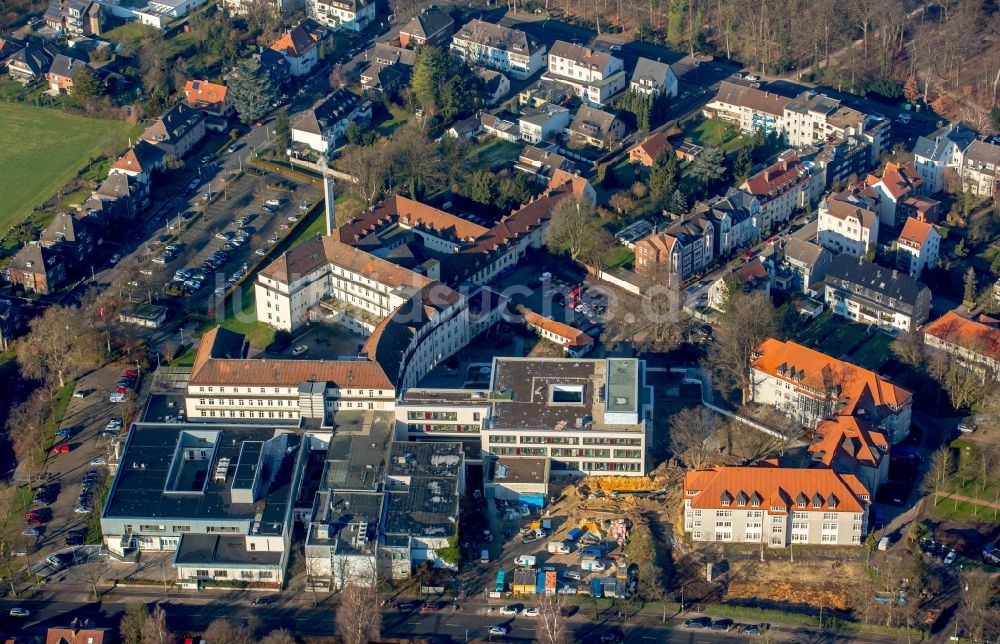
column 322, row 341
column 230, row 234
column 75, row 478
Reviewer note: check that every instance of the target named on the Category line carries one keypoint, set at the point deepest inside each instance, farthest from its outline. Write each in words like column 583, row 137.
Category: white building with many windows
column 595, row 76
column 848, row 222
column 775, row 506
column 353, row 15
column 501, row 48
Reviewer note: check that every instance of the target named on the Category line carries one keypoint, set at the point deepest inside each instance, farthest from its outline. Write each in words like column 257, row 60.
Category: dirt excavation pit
column 830, row 584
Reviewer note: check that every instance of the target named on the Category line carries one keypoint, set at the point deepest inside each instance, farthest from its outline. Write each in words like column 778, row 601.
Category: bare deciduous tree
column 222, row 631
column 280, row 636
column 692, row 435
column 359, row 616
column 748, row 320
column 551, row 627
column 26, row 430
column 154, row 628
column 7, row 532
column 936, row 478
column 368, row 166
column 57, row 343
column 132, row 624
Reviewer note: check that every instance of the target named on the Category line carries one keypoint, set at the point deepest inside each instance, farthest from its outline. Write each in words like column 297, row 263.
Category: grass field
column 45, row 148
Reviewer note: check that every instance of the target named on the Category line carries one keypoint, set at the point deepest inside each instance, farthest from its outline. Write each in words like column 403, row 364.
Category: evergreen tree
column 440, row 82
column 663, row 176
column 252, row 90
column 429, row 70
column 743, row 163
column 86, row 85
column 677, row 204
column 282, row 131
column 481, row 188
column 709, row 167
column 970, row 286
column 513, row 190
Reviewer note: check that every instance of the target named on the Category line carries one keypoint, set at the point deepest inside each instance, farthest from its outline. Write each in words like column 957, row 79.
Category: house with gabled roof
column 848, row 222
column 352, row 15
column 734, row 216
column 497, row 47
column 597, row 128
column 674, row 254
column 749, row 107
column 940, row 151
column 30, row 63
column 776, row 506
column 644, row 152
column 653, row 77
column 320, row 126
column 212, row 99
column 177, row 130
column 8, row 47
column 867, row 293
column 781, row 188
column 540, row 162
column 140, row 160
column 71, row 237
column 852, row 445
column 63, row 71
column 810, row 387
column 37, row 268
column 595, row 76
column 299, row 49
column 574, row 342
column 431, row 27
column 75, row 17
column 799, row 265
column 751, row 277
column 917, row 247
column 974, row 343
column 981, row 169
column 899, row 190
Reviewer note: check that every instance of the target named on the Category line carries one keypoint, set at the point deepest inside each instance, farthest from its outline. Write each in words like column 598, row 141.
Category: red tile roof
column 818, row 375
column 972, row 335
column 296, row 42
column 200, row 93
column 915, row 232
column 775, row 486
column 855, row 438
column 900, row 180
column 574, row 337
column 786, row 174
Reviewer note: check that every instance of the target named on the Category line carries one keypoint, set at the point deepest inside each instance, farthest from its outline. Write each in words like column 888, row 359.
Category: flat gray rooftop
column 356, row 456
column 212, row 550
column 520, row 470
column 439, row 460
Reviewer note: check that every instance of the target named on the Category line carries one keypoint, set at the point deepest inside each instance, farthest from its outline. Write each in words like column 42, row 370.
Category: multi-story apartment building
column 749, row 107
column 870, row 294
column 431, row 27
column 897, row 189
column 848, row 222
column 543, row 123
column 673, row 255
column 500, row 48
column 457, row 414
column 799, row 265
column 917, row 247
column 299, row 49
column 981, row 169
column 227, row 386
column 221, row 497
column 811, row 386
column 734, row 217
column 353, row 15
column 586, row 416
column 940, row 151
column 775, row 506
column 812, row 118
column 323, row 126
column 595, row 76
column 781, row 188
column 975, row 344
column 852, row 445
column 177, row 131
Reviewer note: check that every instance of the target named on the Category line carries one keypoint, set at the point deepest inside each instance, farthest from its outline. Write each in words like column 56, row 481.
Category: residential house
column 596, row 128
column 8, row 47
column 126, row 194
column 140, row 160
column 940, row 151
column 500, row 126
column 734, row 217
column 541, row 162
column 299, row 49
column 870, row 294
column 496, row 86
column 752, row 277
column 810, row 387
column 177, row 131
column 75, row 18
column 673, row 255
column 10, row 322
column 899, row 191
column 30, row 64
column 748, row 107
column 276, row 66
column 800, row 265
column 981, row 169
column 163, row 11
column 384, row 53
column 581, row 189
column 781, row 189
column 917, row 247
column 973, row 343
column 242, row 7
column 544, row 123
column 776, row 506
column 37, row 268
column 654, row 78
column 646, row 150
column 431, row 27
column 353, row 15
column 386, row 79
column 851, row 445
column 545, row 91
column 848, row 222
column 80, row 631
column 501, row 48
column 839, row 162
column 70, row 237
column 320, row 127
column 595, row 76
column 212, row 99
column 466, row 129
column 573, row 341
column 62, row 71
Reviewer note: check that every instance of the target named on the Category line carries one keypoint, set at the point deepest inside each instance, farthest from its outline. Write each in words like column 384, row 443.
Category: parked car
column 698, row 622
column 499, row 630
column 510, row 610
column 721, row 624
column 531, row 611
column 74, row 539
column 19, row 612
column 262, row 601
column 31, row 531
column 430, row 607
column 81, row 393
column 951, row 557
column 62, row 448
column 115, row 258
column 299, row 350
column 100, row 461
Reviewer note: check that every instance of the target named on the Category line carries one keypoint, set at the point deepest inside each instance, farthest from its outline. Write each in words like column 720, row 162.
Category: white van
column 884, row 543
column 558, row 547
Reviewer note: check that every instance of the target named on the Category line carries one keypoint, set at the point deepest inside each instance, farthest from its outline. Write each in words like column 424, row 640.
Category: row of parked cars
column 127, row 382
column 726, row 625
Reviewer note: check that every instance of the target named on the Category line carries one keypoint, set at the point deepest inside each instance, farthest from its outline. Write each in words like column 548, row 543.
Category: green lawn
column 494, row 152
column 713, row 132
column 44, row 149
column 131, row 33
column 620, row 256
